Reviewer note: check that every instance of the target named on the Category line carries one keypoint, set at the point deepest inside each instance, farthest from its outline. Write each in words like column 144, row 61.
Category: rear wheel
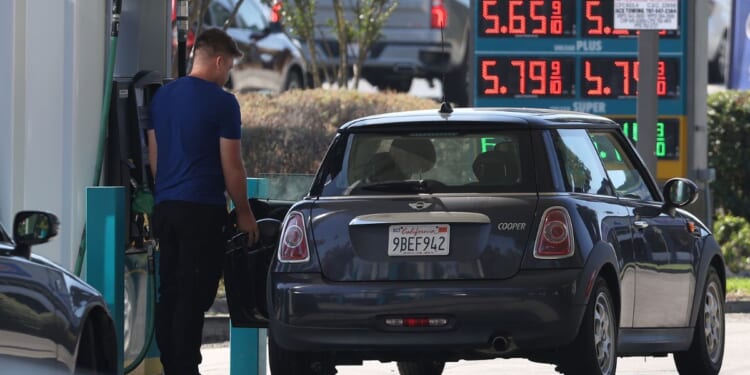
column 421, row 368
column 397, row 84
column 594, row 350
column 287, row 362
column 718, row 65
column 293, row 80
column 706, row 353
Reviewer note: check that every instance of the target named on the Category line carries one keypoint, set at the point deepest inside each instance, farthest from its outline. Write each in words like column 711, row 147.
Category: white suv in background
column 719, row 25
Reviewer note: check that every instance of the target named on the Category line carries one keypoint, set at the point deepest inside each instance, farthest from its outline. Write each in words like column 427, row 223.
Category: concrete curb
column 216, row 327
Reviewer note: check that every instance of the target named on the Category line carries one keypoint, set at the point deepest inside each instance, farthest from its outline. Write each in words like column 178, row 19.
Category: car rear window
column 424, row 162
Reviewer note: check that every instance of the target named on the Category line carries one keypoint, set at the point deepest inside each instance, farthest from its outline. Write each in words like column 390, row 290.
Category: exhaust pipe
column 500, row 344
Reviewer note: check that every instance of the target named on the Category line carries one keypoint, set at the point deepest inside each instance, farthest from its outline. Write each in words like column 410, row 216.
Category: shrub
column 733, row 235
column 290, row 132
column 729, row 150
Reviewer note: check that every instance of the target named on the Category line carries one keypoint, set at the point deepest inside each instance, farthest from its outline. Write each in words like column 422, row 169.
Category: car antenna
column 445, row 106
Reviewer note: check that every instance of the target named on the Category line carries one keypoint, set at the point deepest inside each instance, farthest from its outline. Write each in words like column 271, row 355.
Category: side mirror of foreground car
column 679, row 192
column 33, row 228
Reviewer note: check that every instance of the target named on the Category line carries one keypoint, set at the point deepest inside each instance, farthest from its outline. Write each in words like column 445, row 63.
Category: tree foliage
column 729, row 151
column 733, row 235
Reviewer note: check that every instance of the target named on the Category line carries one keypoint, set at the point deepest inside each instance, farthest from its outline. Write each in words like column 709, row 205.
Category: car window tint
column 219, row 14
column 250, row 17
column 581, row 169
column 626, row 178
column 449, row 162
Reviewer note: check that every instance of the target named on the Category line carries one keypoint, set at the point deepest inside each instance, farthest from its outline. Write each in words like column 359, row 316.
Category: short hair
column 215, row 41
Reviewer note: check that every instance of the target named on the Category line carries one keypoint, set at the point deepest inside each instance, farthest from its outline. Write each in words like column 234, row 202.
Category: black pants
column 191, row 249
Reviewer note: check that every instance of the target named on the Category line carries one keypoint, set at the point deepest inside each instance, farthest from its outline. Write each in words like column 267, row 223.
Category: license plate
column 419, row 240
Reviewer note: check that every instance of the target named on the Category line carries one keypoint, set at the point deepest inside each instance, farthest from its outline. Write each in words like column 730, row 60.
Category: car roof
column 531, row 117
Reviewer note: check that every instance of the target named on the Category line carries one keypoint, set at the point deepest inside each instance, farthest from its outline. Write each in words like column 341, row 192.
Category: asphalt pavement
column 216, row 360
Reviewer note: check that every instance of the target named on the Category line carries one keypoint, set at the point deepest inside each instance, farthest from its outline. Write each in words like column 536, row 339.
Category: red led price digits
column 517, row 22
column 599, row 28
column 494, row 89
column 598, row 82
column 530, row 77
column 493, row 19
column 555, row 81
column 544, row 16
column 626, row 71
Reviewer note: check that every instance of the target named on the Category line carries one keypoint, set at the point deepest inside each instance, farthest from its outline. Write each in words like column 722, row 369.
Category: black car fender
column 710, row 255
column 602, row 260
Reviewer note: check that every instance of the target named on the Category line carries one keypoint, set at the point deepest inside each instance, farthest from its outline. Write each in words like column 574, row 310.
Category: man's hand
column 236, row 182
column 246, row 223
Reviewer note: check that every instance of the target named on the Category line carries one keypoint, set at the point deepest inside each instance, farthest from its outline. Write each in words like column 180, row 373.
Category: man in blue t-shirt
column 195, row 156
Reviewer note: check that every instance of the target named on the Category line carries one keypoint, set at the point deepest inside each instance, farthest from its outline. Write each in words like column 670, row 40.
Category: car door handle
column 640, row 224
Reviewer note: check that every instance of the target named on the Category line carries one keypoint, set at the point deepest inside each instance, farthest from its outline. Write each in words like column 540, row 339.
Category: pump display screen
column 552, row 18
column 667, row 136
column 567, row 55
column 526, row 76
column 618, row 77
column 540, row 18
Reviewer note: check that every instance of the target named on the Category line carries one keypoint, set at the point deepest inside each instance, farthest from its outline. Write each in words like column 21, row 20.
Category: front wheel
column 421, row 368
column 594, row 351
column 706, row 353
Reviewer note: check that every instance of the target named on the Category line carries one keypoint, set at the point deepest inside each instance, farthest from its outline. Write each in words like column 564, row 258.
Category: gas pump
column 143, row 63
column 127, row 166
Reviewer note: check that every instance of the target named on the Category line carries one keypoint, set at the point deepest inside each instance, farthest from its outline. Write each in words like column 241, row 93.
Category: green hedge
column 290, row 132
column 729, row 150
column 733, row 234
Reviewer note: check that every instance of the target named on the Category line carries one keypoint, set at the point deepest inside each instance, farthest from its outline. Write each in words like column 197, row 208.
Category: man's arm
column 236, row 181
column 152, row 151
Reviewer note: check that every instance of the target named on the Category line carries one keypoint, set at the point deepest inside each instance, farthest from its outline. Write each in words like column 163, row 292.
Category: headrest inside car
column 496, row 167
column 413, row 155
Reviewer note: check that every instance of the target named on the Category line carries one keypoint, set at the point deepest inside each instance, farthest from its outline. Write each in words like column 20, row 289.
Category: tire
column 287, row 362
column 421, row 368
column 706, row 353
column 97, row 352
column 594, row 350
column 397, row 84
column 293, row 81
column 718, row 65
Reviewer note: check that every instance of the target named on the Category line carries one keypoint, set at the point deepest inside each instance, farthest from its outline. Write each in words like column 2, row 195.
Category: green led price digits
column 667, row 137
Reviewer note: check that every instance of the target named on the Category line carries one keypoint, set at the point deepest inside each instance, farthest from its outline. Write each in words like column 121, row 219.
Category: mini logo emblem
column 419, row 205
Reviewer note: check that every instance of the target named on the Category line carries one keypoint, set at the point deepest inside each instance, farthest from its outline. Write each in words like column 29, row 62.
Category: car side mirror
column 679, row 192
column 33, row 228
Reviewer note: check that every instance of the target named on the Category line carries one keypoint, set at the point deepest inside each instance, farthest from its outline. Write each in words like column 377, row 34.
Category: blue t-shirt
column 189, row 116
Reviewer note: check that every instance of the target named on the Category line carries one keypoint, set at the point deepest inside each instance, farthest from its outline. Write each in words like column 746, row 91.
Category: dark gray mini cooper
column 430, row 237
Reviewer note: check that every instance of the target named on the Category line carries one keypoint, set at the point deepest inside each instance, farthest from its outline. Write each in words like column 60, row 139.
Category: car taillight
column 555, row 237
column 439, row 15
column 293, row 247
column 276, row 12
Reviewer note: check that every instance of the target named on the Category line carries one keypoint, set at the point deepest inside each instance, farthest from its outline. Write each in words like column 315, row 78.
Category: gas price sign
column 566, row 54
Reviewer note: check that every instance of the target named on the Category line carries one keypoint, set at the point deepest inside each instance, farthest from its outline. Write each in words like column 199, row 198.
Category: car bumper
column 406, row 52
column 534, row 310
